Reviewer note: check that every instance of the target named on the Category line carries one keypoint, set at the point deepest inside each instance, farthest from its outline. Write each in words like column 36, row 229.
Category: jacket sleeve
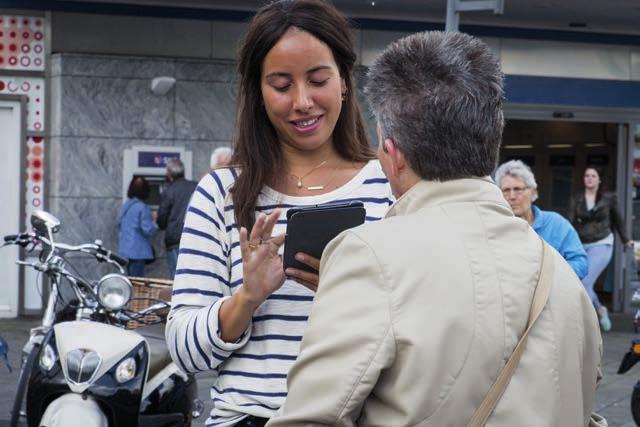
column 571, row 213
column 163, row 210
column 617, row 224
column 348, row 341
column 573, row 252
column 146, row 223
column 201, row 285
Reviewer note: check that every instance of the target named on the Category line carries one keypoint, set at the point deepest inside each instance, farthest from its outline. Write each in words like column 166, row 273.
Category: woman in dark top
column 595, row 215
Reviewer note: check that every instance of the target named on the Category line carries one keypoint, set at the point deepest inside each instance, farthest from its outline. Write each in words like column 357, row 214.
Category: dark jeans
column 172, row 260
column 252, row 421
column 135, row 268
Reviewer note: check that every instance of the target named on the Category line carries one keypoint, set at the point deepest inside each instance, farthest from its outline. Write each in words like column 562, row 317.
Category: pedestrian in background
column 137, row 227
column 299, row 140
column 173, row 207
column 519, row 188
column 220, row 157
column 595, row 215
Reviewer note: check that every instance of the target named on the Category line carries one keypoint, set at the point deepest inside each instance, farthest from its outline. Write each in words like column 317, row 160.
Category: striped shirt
column 251, row 372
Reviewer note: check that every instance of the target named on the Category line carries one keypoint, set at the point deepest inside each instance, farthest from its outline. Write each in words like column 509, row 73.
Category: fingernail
column 289, row 272
column 300, row 257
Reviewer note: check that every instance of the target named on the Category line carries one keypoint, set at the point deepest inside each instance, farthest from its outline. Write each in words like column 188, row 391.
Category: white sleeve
column 201, row 282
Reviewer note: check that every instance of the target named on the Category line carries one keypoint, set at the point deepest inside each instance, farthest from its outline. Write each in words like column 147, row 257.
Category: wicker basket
column 146, row 292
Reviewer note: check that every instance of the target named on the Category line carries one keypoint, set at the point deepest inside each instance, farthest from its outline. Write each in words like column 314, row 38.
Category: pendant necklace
column 315, row 187
column 300, row 178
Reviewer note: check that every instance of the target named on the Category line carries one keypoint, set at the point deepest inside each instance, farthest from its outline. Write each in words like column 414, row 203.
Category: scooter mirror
column 44, row 222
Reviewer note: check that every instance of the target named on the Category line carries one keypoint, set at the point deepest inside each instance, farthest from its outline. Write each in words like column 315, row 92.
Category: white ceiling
column 614, row 16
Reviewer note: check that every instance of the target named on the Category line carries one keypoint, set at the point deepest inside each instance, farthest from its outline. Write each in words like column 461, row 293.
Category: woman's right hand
column 262, row 266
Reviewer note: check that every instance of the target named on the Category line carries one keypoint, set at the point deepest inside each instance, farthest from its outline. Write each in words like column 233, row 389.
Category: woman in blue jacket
column 519, row 187
column 137, row 227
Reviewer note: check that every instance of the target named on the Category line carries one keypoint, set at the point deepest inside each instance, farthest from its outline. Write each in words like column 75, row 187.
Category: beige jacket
column 416, row 315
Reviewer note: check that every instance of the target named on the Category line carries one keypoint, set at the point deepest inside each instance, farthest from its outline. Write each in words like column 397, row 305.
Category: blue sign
column 155, row 159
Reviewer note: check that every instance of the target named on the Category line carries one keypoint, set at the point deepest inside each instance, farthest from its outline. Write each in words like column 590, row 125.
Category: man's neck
column 405, row 183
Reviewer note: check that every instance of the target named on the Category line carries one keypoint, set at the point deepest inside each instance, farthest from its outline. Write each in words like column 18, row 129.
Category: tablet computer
column 310, row 229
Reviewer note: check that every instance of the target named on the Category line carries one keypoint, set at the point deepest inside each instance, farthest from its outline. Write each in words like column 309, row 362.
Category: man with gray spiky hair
column 416, row 315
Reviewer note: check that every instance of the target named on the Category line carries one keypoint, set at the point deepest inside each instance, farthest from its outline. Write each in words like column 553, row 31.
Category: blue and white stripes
column 251, row 372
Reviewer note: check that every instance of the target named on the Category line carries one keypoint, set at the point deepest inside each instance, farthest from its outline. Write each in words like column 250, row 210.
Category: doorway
column 11, row 123
column 558, row 153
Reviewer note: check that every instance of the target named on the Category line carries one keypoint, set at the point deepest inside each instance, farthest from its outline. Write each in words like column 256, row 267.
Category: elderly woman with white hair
column 518, row 185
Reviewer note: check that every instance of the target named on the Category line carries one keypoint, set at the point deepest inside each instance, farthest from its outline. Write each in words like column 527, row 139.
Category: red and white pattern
column 34, row 171
column 21, row 42
column 22, row 49
column 34, row 89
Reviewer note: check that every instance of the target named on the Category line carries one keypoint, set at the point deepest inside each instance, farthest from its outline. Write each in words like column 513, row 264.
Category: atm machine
column 151, row 162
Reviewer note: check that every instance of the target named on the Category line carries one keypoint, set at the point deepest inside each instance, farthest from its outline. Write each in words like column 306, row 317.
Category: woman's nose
column 303, row 100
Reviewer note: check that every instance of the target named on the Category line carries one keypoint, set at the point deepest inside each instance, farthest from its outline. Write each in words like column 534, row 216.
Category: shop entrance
column 558, row 153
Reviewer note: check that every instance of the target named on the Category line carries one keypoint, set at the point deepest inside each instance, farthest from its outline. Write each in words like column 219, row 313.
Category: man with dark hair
column 416, row 315
column 173, row 206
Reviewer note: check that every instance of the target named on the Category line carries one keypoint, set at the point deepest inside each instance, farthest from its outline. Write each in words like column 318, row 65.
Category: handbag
column 540, row 298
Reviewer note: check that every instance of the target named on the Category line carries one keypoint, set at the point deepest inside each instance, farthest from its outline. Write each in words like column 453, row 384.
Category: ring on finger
column 254, row 245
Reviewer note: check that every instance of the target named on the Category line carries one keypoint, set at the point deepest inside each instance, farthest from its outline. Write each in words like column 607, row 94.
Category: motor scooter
column 82, row 367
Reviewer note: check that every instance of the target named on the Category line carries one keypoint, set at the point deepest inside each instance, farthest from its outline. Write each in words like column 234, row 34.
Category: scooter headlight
column 126, row 370
column 48, row 358
column 114, row 291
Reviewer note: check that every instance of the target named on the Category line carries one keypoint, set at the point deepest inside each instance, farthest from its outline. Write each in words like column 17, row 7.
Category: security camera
column 162, row 85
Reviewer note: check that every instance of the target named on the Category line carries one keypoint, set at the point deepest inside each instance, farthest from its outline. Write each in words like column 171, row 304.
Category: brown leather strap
column 540, row 297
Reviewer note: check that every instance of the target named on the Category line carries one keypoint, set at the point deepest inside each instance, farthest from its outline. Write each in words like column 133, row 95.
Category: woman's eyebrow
column 277, row 74
column 288, row 75
column 318, row 68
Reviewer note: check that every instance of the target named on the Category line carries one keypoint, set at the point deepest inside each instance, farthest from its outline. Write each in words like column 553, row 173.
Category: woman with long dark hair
column 299, row 141
column 594, row 214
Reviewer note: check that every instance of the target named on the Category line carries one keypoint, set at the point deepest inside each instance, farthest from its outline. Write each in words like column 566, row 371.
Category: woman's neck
column 591, row 192
column 528, row 216
column 300, row 161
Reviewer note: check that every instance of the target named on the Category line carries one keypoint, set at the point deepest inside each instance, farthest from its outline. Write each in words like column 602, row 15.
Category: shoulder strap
column 540, row 297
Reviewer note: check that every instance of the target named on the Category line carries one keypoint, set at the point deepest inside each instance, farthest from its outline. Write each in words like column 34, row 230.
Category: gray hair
column 439, row 97
column 221, row 156
column 175, row 168
column 517, row 169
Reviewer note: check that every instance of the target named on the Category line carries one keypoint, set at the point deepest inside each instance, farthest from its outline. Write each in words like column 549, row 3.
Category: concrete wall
column 128, row 35
column 103, row 105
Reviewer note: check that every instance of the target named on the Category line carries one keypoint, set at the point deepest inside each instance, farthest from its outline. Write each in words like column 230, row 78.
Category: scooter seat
column 159, row 356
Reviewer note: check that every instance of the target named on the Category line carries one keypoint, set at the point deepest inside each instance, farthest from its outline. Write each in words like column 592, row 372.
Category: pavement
column 611, row 401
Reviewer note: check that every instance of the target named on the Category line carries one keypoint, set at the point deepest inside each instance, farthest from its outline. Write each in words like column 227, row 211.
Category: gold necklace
column 300, row 178
column 318, row 187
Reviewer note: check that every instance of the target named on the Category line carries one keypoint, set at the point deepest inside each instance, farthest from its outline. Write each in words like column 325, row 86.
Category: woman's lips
column 306, row 126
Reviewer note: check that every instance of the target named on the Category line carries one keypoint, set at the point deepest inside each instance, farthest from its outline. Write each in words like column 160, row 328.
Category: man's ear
column 397, row 160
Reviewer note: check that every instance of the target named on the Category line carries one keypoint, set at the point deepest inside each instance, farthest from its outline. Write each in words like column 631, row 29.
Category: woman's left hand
column 628, row 244
column 305, row 278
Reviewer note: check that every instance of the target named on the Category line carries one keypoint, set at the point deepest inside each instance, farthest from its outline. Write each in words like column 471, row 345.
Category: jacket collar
column 426, row 194
column 538, row 220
